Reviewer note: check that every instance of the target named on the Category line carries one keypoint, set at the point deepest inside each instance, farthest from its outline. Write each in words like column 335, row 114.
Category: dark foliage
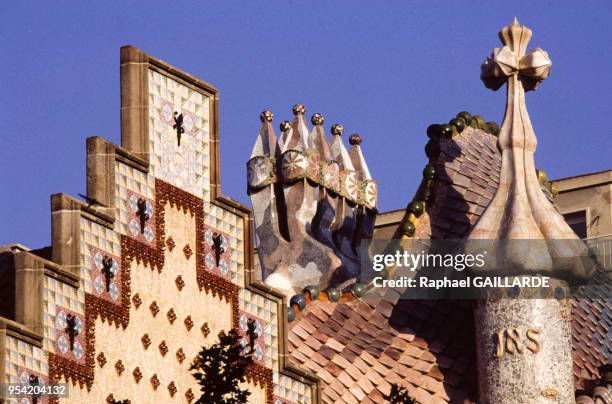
column 220, row 368
column 399, row 395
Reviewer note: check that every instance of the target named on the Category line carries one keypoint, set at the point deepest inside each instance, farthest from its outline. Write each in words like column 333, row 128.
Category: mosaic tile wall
column 128, row 179
column 58, row 295
column 265, row 311
column 186, row 166
column 290, row 391
column 231, row 225
column 23, row 356
column 100, row 238
column 173, row 288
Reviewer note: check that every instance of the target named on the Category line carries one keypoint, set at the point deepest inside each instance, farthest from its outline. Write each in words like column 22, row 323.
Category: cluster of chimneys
column 313, row 202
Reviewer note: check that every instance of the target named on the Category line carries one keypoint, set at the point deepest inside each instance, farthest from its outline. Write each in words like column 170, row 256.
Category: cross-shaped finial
column 512, row 60
column 520, row 210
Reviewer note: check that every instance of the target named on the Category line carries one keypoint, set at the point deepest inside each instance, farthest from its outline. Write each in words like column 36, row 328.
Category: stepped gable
column 154, row 264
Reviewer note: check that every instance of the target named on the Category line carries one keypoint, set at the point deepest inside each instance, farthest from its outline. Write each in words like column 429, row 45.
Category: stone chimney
column 313, row 203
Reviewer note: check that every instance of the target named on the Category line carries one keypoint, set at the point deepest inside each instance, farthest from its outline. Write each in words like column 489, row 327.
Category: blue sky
column 384, row 69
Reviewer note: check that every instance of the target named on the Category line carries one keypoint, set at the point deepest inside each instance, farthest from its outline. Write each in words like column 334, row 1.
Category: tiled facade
column 143, row 306
column 186, row 166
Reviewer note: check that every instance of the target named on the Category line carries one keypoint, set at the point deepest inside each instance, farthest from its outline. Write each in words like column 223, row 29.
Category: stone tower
column 523, row 345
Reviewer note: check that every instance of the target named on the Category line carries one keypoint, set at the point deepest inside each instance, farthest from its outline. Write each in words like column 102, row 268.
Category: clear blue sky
column 383, row 69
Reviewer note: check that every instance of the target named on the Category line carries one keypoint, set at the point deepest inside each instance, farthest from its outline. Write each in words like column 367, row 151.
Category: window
column 577, row 221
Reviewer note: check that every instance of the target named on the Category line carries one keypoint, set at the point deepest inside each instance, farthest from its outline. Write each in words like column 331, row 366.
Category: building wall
column 591, row 193
column 169, row 295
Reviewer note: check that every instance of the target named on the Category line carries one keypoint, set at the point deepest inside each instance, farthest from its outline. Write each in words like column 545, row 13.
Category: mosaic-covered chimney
column 313, row 202
column 524, row 347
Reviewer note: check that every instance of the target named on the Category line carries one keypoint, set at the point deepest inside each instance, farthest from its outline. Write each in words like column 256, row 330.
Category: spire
column 523, row 234
column 338, row 151
column 317, row 138
column 297, row 138
column 357, row 158
column 265, row 144
column 286, row 130
column 519, row 194
column 260, row 167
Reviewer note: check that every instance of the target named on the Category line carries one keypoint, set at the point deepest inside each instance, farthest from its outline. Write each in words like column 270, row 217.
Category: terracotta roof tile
column 313, row 343
column 349, row 398
column 358, row 393
column 329, row 396
column 384, row 387
column 432, row 385
column 327, row 352
column 325, row 376
column 337, row 387
column 376, row 396
column 592, row 331
column 345, row 379
column 361, row 365
column 335, row 345
column 365, row 384
column 422, row 396
column 334, row 369
column 340, row 361
column 407, row 360
column 423, row 366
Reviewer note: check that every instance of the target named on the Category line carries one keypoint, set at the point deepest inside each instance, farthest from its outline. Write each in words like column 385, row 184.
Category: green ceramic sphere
column 407, row 228
column 333, row 294
column 358, row 290
column 446, row 130
column 299, row 301
column 553, row 189
column 467, row 117
column 542, row 176
column 458, row 123
column 429, row 172
column 425, row 194
column 290, row 314
column 415, row 207
column 433, row 131
column 312, row 290
column 478, row 122
column 494, row 128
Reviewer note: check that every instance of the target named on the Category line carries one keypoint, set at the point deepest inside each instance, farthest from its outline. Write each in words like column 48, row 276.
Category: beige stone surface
column 125, row 345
